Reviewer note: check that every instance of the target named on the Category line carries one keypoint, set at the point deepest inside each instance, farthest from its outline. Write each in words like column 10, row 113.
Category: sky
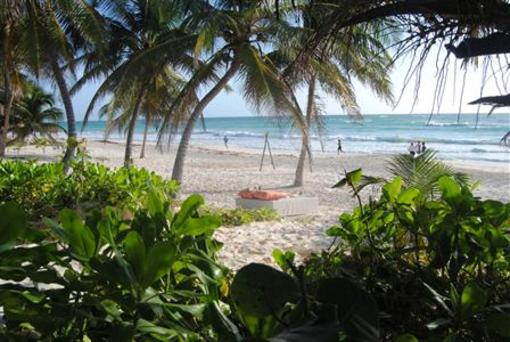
column 230, row 104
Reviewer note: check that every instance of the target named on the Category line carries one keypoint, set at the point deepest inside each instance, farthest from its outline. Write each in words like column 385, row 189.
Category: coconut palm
column 159, row 95
column 357, row 53
column 146, row 38
column 236, row 37
column 11, row 59
column 34, row 115
column 55, row 33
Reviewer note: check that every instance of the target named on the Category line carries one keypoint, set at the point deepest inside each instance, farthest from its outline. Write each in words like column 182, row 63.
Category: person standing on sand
column 412, row 149
column 225, row 140
column 423, row 147
column 339, row 148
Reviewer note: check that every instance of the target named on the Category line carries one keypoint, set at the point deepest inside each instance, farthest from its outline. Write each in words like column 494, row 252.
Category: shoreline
column 479, row 165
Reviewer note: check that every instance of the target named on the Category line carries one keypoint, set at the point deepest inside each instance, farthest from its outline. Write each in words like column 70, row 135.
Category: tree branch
column 488, row 11
column 497, row 43
column 498, row 101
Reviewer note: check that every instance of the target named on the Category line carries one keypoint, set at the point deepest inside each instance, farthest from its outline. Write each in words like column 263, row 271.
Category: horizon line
column 367, row 114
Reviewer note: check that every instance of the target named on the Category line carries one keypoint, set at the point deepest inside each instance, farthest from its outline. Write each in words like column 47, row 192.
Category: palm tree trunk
column 128, row 161
column 71, row 120
column 188, row 129
column 146, row 130
column 305, row 144
column 9, row 98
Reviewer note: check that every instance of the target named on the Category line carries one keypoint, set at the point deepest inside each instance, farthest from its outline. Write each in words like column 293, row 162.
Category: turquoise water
column 457, row 140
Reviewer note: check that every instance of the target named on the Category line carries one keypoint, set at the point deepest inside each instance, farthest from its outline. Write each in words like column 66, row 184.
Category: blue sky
column 232, row 103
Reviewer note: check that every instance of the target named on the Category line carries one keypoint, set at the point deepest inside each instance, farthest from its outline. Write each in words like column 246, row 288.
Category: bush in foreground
column 240, row 216
column 42, row 189
column 406, row 267
column 104, row 278
column 439, row 268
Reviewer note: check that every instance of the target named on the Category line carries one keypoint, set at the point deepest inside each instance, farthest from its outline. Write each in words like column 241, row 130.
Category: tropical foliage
column 330, row 67
column 54, row 35
column 404, row 267
column 131, row 68
column 424, row 171
column 240, row 216
column 169, row 59
column 93, row 254
column 34, row 116
column 152, row 276
column 42, row 190
column 236, row 37
column 437, row 268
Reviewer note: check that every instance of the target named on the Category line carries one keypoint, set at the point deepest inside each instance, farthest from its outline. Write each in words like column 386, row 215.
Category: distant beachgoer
column 412, row 149
column 423, row 147
column 339, row 148
column 225, row 140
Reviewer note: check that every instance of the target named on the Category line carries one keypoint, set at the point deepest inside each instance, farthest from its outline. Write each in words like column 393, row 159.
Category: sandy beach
column 219, row 174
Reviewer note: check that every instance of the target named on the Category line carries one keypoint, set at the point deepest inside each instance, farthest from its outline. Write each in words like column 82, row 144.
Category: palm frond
column 423, row 171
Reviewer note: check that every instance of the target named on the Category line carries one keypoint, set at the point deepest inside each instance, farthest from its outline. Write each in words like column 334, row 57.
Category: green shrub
column 43, row 189
column 104, row 278
column 438, row 268
column 239, row 216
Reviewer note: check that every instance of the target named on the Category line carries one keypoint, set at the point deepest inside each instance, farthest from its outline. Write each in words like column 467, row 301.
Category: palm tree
column 357, row 53
column 159, row 95
column 146, row 38
column 10, row 61
column 55, row 32
column 232, row 34
column 34, row 115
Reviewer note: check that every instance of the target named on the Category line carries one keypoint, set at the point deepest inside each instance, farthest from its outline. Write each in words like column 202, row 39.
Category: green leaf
column 341, row 183
column 225, row 329
column 13, row 223
column 392, row 190
column 111, row 308
column 449, row 188
column 356, row 308
column 334, row 231
column 80, row 237
column 472, row 300
column 135, row 252
column 408, row 196
column 188, row 208
column 407, row 338
column 149, row 328
column 259, row 290
column 283, row 260
column 33, row 297
column 198, row 226
column 499, row 322
column 354, row 177
column 196, row 310
column 160, row 259
column 155, row 202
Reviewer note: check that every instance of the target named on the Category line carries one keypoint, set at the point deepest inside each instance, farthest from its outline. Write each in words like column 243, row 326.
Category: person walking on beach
column 339, row 148
column 412, row 149
column 225, row 140
column 423, row 147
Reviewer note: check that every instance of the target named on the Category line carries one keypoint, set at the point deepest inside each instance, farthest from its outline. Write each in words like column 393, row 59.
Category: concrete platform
column 292, row 206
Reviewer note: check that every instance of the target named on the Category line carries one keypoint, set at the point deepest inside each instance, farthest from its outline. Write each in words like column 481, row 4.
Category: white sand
column 218, row 175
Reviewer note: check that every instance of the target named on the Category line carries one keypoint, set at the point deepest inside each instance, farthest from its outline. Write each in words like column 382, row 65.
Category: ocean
column 453, row 139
